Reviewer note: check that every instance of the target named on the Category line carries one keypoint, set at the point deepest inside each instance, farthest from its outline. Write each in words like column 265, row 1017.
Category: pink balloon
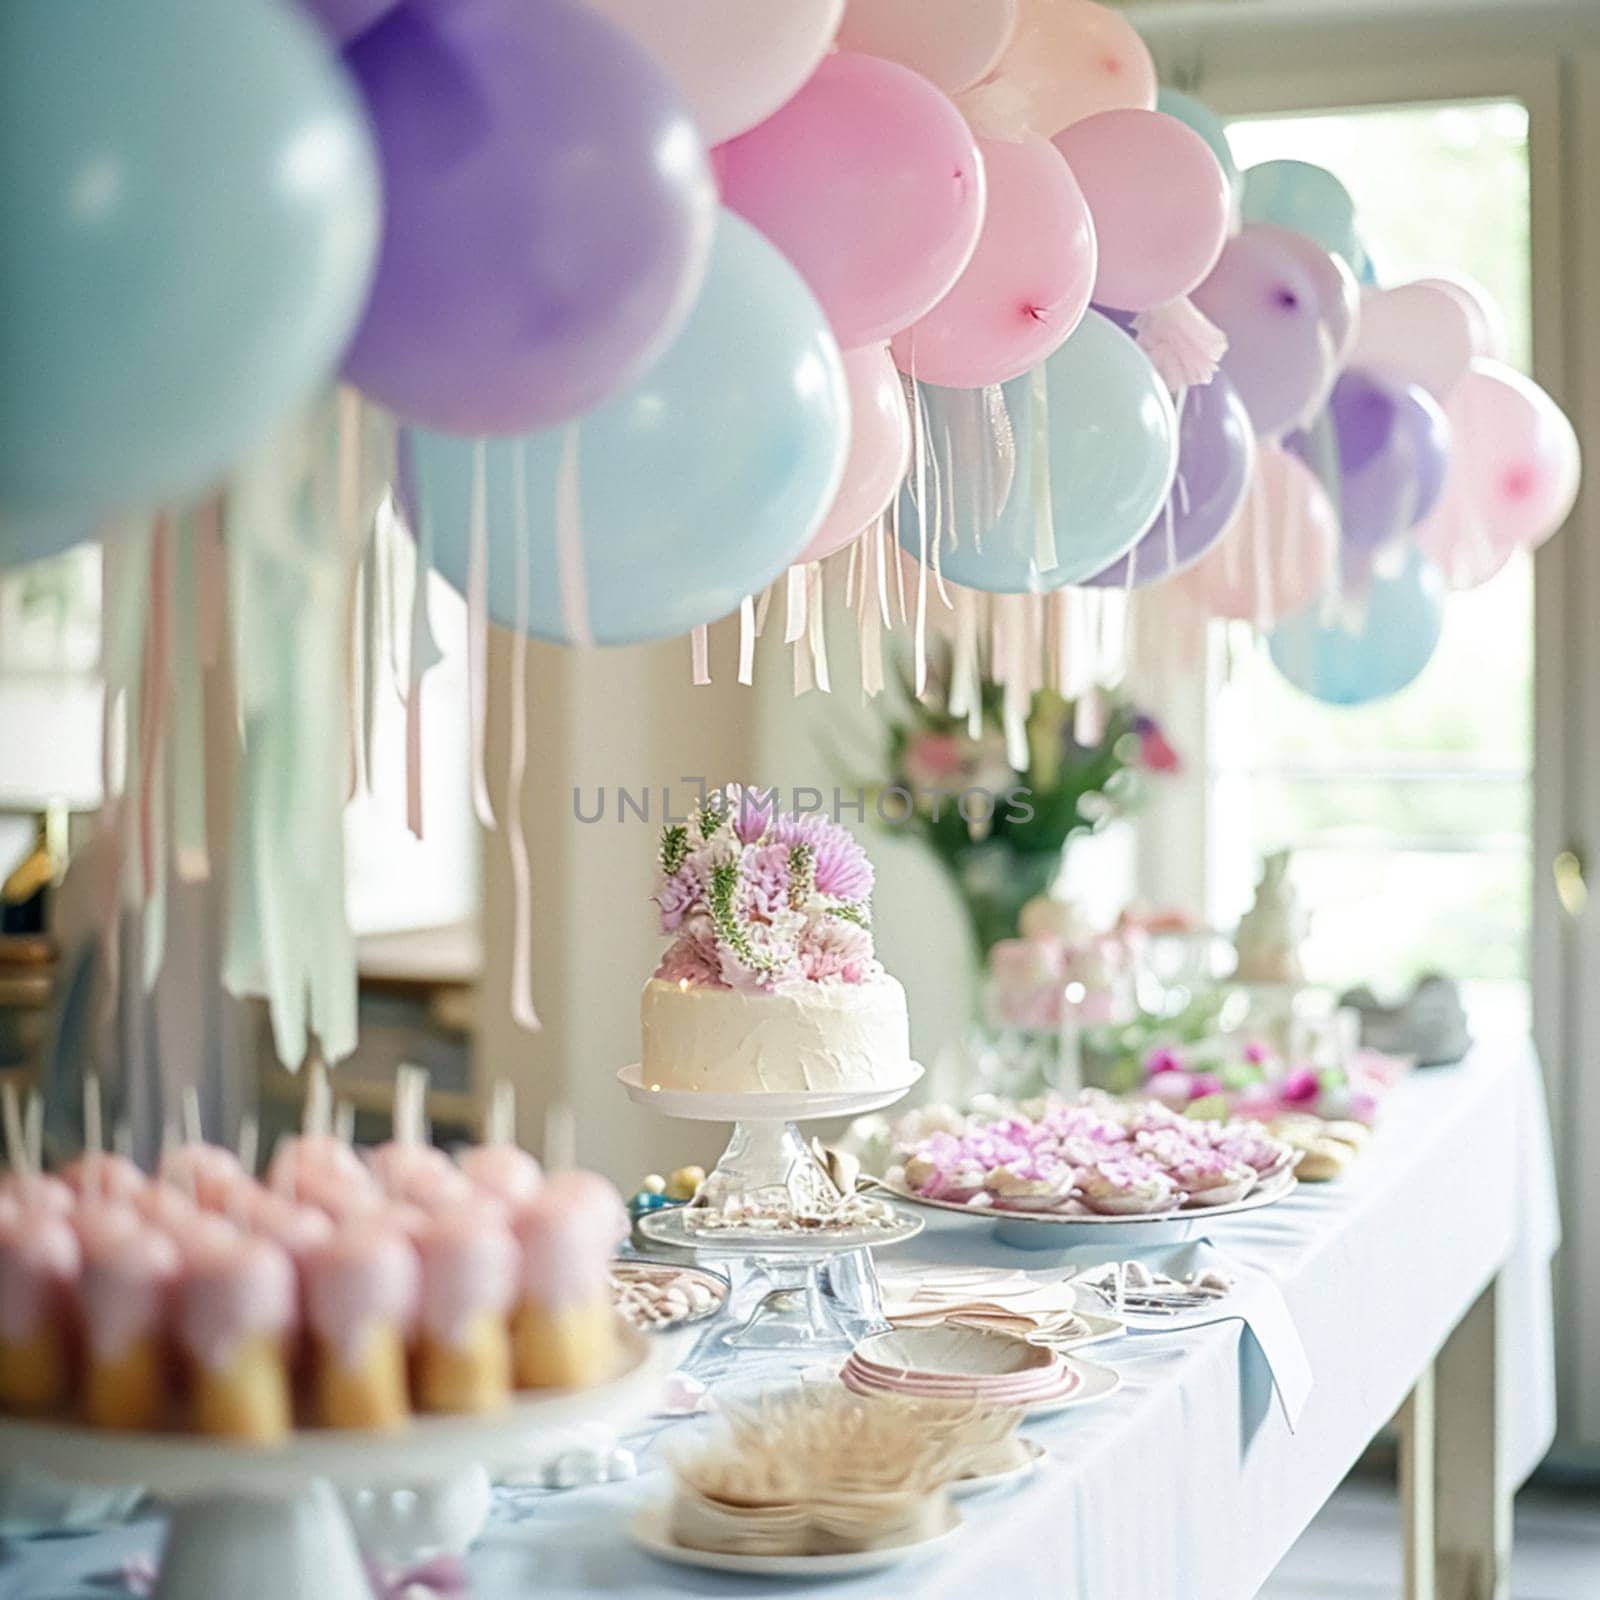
column 870, row 182
column 1160, row 202
column 1280, row 354
column 952, row 43
column 1420, row 332
column 880, row 450
column 1071, row 58
column 1028, row 283
column 1278, row 553
column 1484, row 316
column 1513, row 478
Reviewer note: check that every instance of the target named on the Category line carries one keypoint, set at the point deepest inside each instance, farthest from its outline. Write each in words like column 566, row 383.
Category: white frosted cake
column 771, row 984
column 820, row 1036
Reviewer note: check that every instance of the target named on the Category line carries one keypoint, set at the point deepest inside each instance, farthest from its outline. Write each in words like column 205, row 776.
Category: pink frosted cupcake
column 1204, row 1174
column 418, row 1174
column 505, row 1171
column 124, row 1295
column 210, row 1174
column 361, row 1301
column 235, row 1313
column 105, row 1175
column 320, row 1170
column 1029, row 1186
column 564, row 1330
column 470, row 1271
column 40, row 1262
column 38, row 1191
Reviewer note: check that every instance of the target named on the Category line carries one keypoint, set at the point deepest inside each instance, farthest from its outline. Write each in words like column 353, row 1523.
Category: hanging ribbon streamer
column 816, row 631
column 157, row 687
column 747, row 640
column 872, row 611
column 700, row 650
column 1261, row 554
column 1044, row 519
column 478, row 631
column 423, row 656
column 569, row 544
column 794, row 623
column 190, row 848
column 522, row 1007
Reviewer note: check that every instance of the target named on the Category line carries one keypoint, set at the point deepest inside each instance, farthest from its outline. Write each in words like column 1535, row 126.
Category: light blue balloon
column 1112, row 458
column 1204, row 121
column 1391, row 639
column 1307, row 198
column 696, row 486
column 191, row 215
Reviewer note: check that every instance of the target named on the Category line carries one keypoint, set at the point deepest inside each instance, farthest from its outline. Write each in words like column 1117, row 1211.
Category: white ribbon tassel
column 523, row 1011
column 747, row 640
column 478, row 631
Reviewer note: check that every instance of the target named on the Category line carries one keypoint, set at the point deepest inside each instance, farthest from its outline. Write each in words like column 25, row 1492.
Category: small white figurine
column 1268, row 940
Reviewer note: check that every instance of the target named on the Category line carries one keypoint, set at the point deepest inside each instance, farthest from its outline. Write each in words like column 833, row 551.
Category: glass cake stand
column 766, row 1203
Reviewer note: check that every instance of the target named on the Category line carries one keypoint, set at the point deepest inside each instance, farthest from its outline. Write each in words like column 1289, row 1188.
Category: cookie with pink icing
column 1124, row 1186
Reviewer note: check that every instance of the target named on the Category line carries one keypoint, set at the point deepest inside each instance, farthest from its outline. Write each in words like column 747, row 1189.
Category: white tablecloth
column 1186, row 1485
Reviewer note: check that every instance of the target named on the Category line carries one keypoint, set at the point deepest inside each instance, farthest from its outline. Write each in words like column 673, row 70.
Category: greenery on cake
column 758, row 898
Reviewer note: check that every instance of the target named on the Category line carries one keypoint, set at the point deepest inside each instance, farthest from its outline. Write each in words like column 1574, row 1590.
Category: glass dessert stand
column 261, row 1522
column 772, row 1205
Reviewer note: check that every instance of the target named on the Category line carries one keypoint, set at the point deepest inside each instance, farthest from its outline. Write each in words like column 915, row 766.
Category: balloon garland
column 988, row 333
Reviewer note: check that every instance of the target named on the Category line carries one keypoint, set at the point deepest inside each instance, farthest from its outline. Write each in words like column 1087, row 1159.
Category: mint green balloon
column 190, row 218
column 1307, row 198
column 1204, row 121
column 1113, row 453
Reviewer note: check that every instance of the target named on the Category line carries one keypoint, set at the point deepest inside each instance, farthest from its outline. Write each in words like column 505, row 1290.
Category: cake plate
column 259, row 1522
column 767, row 1166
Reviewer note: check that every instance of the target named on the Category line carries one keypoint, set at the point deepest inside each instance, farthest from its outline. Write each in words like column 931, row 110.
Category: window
column 1411, row 820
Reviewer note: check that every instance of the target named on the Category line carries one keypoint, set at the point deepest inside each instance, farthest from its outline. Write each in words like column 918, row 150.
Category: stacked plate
column 961, row 1364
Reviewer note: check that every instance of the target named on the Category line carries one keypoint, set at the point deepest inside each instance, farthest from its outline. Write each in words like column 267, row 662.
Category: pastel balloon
column 1392, row 450
column 694, row 487
column 1307, row 198
column 191, row 211
column 1071, row 58
column 1159, row 200
column 870, row 182
column 1216, row 455
column 1277, row 554
column 1421, row 332
column 1027, row 285
column 880, row 450
column 549, row 213
column 735, row 62
column 1513, row 475
column 1374, row 644
column 1484, row 316
column 952, row 43
column 1192, row 114
column 1280, row 354
column 344, row 19
column 1337, row 291
column 1112, row 454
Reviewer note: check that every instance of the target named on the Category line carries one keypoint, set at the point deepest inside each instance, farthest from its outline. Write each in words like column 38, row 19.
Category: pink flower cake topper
column 761, row 899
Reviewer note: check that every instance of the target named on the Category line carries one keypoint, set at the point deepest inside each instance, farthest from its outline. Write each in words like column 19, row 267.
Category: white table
column 1423, row 1272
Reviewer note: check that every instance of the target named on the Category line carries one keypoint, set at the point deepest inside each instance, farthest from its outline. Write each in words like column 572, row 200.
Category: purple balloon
column 1215, row 449
column 1280, row 355
column 342, row 20
column 1392, row 444
column 548, row 213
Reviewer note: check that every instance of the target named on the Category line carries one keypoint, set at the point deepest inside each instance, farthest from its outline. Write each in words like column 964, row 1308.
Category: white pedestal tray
column 768, row 1163
column 262, row 1522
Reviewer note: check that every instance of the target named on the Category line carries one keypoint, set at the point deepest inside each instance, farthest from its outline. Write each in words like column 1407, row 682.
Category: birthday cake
column 770, row 984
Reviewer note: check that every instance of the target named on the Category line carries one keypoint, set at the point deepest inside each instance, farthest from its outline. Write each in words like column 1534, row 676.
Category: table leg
column 1472, row 1503
column 1416, row 1424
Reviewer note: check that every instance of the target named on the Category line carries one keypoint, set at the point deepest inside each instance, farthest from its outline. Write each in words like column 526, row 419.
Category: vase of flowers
column 1001, row 831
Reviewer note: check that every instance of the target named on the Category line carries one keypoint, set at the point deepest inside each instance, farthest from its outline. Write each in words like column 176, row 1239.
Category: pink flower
column 676, row 898
column 831, row 947
column 932, row 759
column 1204, row 1083
column 764, row 882
column 1162, row 1060
column 1256, row 1054
column 1300, row 1088
column 842, row 869
column 690, row 961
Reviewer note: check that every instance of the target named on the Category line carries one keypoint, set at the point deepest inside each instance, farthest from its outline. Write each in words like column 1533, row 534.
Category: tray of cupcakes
column 351, row 1312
